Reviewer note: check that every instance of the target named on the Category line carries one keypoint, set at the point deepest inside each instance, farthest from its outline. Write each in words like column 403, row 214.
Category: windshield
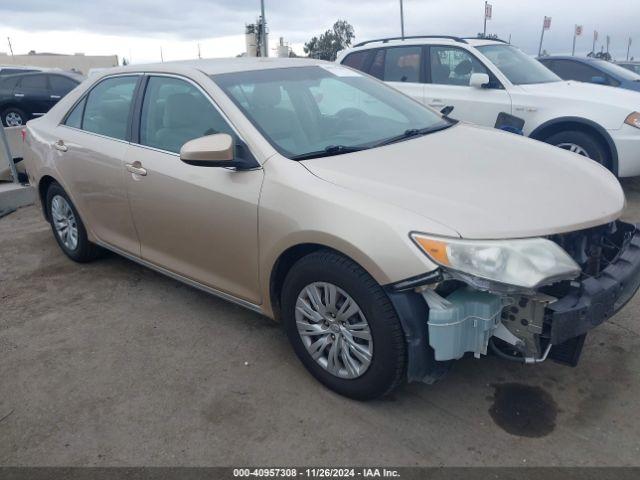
column 518, row 67
column 325, row 109
column 617, row 70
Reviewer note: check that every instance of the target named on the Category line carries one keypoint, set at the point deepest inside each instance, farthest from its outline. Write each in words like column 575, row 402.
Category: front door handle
column 136, row 168
column 56, row 97
column 19, row 95
column 59, row 145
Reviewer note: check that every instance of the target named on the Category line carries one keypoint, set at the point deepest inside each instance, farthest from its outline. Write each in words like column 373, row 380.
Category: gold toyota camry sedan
column 389, row 239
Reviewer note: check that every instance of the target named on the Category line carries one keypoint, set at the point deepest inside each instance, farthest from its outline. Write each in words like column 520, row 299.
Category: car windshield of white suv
column 319, row 111
column 517, row 66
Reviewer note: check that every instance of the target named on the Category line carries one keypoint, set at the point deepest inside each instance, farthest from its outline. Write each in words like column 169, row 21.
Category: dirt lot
column 112, row 364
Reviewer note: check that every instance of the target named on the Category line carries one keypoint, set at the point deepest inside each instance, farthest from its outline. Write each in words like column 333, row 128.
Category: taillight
column 24, row 135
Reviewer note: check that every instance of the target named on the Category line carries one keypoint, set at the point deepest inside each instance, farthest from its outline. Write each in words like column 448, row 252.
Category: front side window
column 175, row 111
column 302, row 110
column 453, row 66
column 108, row 107
column 402, row 64
column 570, row 70
column 517, row 66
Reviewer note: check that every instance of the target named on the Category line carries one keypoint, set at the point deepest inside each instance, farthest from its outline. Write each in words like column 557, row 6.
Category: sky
column 140, row 29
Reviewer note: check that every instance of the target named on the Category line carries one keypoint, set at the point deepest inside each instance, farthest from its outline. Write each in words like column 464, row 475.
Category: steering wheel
column 351, row 117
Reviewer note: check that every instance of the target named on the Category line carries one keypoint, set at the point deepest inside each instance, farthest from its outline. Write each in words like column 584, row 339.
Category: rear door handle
column 19, row 95
column 136, row 168
column 56, row 97
column 59, row 145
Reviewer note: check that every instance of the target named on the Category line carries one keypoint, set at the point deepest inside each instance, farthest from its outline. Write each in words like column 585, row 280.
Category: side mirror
column 599, row 80
column 211, row 151
column 479, row 80
column 446, row 111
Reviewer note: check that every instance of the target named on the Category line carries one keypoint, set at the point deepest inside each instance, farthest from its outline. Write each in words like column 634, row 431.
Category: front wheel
column 583, row 144
column 343, row 327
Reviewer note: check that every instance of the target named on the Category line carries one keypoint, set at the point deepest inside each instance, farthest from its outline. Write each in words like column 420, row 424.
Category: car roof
column 214, row 66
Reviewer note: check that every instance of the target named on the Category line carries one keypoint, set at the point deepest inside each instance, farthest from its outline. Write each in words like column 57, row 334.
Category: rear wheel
column 583, row 144
column 13, row 117
column 68, row 229
column 343, row 327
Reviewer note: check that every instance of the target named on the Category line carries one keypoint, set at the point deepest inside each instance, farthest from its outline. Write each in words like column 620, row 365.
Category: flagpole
column 485, row 18
column 402, row 19
column 575, row 31
column 541, row 39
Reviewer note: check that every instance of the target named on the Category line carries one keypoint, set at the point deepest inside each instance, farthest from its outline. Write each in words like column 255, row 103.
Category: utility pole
column 546, row 25
column 629, row 48
column 595, row 39
column 263, row 30
column 608, row 42
column 402, row 19
column 161, row 56
column 10, row 46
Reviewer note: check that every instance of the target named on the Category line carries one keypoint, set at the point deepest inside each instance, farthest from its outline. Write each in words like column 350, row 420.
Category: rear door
column 401, row 68
column 449, row 69
column 59, row 86
column 31, row 94
column 90, row 145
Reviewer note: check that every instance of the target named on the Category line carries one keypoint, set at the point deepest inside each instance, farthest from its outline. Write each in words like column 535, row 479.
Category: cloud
column 297, row 21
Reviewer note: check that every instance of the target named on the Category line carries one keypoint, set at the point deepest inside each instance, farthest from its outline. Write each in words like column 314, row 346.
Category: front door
column 31, row 94
column 90, row 146
column 198, row 222
column 449, row 70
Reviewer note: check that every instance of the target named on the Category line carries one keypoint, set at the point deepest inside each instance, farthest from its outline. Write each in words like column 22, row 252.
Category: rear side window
column 402, row 64
column 108, row 106
column 61, row 85
column 357, row 60
column 38, row 82
column 175, row 111
column 570, row 70
column 9, row 82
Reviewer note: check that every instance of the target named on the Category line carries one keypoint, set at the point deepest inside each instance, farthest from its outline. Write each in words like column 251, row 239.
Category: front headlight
column 527, row 263
column 633, row 120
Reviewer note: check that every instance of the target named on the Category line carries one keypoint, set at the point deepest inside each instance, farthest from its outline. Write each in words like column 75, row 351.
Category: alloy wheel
column 64, row 222
column 334, row 330
column 572, row 147
column 13, row 119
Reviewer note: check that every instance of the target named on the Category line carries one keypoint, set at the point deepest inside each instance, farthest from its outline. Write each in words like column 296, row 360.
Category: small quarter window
column 357, row 60
column 74, row 119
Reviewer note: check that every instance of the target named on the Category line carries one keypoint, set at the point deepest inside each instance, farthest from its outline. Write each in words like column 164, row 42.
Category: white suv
column 482, row 78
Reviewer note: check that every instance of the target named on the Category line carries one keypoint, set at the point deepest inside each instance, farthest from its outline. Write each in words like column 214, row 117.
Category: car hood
column 482, row 183
column 587, row 92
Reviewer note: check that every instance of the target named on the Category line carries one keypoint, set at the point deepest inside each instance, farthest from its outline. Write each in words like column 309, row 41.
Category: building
column 79, row 62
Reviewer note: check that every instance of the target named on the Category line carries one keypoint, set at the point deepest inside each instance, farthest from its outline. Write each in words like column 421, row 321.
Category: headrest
column 266, row 95
column 181, row 110
column 464, row 68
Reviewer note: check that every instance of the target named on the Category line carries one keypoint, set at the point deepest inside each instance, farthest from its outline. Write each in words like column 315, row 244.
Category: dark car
column 633, row 66
column 28, row 95
column 592, row 70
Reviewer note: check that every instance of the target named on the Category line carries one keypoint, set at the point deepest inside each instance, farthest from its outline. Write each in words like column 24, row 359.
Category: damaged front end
column 469, row 314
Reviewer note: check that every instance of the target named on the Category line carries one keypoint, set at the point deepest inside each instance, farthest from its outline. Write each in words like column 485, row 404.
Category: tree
column 327, row 46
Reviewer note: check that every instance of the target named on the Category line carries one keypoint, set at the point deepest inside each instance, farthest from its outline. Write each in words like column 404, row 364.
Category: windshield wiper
column 414, row 132
column 329, row 151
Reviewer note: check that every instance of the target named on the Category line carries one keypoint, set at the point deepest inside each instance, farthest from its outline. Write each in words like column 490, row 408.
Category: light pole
column 402, row 19
column 263, row 39
column 629, row 48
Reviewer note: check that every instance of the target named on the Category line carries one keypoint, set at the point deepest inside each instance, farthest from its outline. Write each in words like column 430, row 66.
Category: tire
column 583, row 144
column 13, row 117
column 81, row 250
column 324, row 270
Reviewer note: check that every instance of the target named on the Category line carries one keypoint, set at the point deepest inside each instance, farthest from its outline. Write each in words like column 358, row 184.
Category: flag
column 578, row 30
column 488, row 11
column 547, row 23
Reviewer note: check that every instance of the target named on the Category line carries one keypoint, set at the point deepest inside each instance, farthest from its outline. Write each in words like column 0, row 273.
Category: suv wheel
column 68, row 229
column 13, row 117
column 582, row 144
column 343, row 327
